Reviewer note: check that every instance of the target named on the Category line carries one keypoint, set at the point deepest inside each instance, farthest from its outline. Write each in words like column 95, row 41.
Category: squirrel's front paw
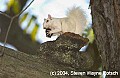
column 48, row 34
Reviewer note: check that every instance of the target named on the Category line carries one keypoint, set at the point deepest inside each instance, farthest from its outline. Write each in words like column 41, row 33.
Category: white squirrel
column 75, row 22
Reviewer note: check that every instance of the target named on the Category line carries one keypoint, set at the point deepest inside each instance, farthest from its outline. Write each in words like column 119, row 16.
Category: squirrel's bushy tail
column 77, row 15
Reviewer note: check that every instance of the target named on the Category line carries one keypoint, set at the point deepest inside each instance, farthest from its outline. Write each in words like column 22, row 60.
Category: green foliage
column 34, row 32
column 31, row 20
column 29, row 23
column 89, row 34
column 14, row 4
column 10, row 3
column 22, row 19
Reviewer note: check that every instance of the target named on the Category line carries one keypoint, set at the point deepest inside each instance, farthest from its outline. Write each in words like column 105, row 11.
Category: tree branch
column 5, row 14
column 11, row 21
column 25, row 8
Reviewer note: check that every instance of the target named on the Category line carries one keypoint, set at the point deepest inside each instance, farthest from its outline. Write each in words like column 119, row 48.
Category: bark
column 106, row 26
column 51, row 56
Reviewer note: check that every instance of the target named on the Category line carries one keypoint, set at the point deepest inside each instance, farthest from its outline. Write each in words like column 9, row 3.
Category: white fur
column 75, row 22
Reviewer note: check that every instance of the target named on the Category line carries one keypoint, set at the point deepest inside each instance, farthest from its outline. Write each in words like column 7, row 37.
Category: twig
column 2, row 51
column 25, row 8
column 5, row 14
column 11, row 21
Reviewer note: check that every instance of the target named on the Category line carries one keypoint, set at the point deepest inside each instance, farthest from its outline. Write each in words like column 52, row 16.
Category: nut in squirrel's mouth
column 47, row 32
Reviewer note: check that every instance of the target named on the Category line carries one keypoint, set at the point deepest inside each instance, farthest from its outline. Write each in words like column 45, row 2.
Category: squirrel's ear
column 44, row 19
column 49, row 16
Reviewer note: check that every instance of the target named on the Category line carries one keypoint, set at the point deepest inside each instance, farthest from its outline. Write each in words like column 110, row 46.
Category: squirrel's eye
column 47, row 20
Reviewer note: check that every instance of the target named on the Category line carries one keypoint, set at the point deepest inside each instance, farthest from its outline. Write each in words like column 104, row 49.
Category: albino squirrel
column 75, row 22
